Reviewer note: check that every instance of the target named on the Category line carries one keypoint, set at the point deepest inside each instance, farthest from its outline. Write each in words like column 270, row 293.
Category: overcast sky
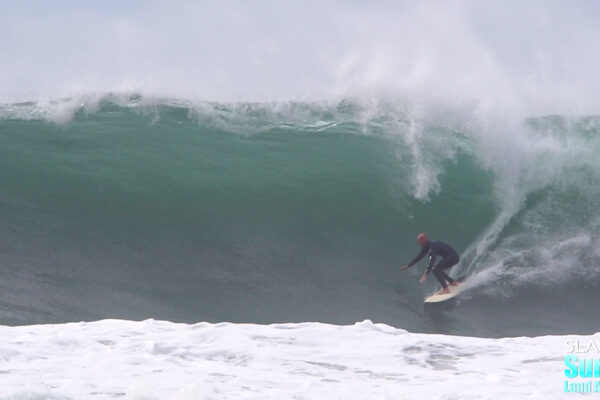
column 272, row 50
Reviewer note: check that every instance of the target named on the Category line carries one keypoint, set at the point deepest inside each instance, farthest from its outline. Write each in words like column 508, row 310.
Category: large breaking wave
column 134, row 207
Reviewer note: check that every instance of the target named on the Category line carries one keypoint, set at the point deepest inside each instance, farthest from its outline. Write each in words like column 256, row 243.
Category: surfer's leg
column 448, row 279
column 441, row 276
column 447, row 264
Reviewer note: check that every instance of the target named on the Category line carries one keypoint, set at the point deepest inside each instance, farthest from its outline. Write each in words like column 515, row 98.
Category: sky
column 542, row 55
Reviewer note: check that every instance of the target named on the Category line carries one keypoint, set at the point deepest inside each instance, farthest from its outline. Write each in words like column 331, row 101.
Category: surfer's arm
column 417, row 258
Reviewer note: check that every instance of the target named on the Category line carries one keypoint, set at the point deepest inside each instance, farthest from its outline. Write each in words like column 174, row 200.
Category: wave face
column 125, row 206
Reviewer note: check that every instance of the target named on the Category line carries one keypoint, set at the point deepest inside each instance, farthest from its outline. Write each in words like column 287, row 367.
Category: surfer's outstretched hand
column 423, row 278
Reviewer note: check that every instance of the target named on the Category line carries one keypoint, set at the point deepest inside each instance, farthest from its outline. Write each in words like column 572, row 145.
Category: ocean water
column 155, row 360
column 269, row 212
column 200, row 200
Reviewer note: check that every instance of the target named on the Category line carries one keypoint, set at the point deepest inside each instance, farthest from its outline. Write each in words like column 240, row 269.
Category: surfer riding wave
column 435, row 248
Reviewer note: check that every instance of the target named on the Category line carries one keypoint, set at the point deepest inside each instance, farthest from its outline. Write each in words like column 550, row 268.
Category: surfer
column 449, row 259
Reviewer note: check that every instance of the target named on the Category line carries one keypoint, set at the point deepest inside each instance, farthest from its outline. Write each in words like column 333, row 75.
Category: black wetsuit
column 449, row 259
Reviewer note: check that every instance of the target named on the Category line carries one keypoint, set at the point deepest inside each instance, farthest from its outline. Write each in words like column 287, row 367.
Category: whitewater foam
column 154, row 360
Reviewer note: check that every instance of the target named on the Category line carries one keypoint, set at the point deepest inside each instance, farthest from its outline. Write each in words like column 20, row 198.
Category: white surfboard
column 436, row 298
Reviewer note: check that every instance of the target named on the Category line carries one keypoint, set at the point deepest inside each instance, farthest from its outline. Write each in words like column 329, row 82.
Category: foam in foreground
column 117, row 359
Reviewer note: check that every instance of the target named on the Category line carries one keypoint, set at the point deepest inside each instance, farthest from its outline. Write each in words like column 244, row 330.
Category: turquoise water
column 273, row 212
